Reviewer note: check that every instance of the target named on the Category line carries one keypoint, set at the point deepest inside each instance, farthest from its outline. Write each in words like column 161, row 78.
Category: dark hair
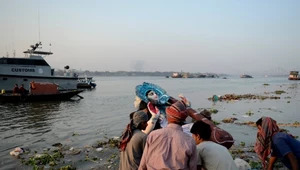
column 259, row 122
column 142, row 106
column 131, row 115
column 201, row 129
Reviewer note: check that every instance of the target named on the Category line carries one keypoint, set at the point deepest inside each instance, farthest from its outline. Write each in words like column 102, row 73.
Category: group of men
column 20, row 90
column 146, row 146
column 170, row 147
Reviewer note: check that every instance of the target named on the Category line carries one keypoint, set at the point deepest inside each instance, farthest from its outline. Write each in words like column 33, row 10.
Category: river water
column 104, row 111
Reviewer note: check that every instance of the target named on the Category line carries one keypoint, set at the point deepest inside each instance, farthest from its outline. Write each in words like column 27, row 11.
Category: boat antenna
column 13, row 50
column 7, row 55
column 13, row 45
column 39, row 21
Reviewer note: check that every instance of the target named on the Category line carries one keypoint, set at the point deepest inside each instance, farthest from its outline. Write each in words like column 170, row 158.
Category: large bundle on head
column 143, row 90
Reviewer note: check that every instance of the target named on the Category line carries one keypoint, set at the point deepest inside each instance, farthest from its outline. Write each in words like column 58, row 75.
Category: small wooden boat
column 62, row 95
column 40, row 91
column 294, row 75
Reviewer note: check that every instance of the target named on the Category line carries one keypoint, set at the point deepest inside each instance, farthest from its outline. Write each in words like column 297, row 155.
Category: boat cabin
column 32, row 67
column 23, row 61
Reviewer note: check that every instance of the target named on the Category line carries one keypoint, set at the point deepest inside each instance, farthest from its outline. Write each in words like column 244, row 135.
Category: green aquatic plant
column 110, row 142
column 279, row 92
column 112, row 157
column 216, row 123
column 214, row 111
column 67, row 167
column 87, row 158
column 296, row 123
column 113, row 142
column 249, row 113
column 266, row 84
column 255, row 164
column 75, row 134
column 229, row 120
column 242, row 143
column 38, row 161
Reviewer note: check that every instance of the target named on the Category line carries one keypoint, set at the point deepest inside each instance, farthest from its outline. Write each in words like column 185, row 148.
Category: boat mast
column 7, row 55
column 39, row 21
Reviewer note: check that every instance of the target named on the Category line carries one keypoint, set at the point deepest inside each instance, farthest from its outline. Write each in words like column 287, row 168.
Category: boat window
column 4, row 78
column 24, row 79
column 21, row 61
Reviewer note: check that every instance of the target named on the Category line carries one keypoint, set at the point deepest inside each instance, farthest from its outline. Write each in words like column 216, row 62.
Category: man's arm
column 193, row 159
column 272, row 162
column 293, row 161
column 154, row 117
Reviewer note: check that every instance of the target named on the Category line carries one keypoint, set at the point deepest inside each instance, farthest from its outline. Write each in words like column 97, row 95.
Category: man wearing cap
column 133, row 142
column 170, row 147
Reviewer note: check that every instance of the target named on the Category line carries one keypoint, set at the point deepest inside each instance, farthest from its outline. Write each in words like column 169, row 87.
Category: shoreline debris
column 233, row 96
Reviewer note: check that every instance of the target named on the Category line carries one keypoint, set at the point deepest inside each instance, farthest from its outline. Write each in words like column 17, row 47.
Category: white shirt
column 213, row 156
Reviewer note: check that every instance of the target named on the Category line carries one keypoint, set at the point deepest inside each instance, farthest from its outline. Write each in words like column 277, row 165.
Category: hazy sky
column 195, row 36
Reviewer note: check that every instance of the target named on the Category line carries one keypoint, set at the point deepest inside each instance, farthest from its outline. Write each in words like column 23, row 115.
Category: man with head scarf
column 133, row 141
column 280, row 145
column 170, row 147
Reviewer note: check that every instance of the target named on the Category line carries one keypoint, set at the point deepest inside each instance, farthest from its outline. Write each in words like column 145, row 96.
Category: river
column 104, row 111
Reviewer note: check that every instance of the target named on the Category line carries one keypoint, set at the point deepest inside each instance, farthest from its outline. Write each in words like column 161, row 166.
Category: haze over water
column 104, row 112
column 234, row 37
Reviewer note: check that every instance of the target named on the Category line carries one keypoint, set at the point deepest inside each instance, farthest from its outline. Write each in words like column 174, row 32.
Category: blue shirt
column 282, row 144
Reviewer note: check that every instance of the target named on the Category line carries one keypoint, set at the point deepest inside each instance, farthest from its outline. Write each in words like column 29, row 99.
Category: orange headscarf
column 177, row 112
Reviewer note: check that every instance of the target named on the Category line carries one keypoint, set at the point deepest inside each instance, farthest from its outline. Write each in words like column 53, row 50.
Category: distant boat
column 177, row 75
column 245, row 76
column 193, row 75
column 86, row 83
column 294, row 75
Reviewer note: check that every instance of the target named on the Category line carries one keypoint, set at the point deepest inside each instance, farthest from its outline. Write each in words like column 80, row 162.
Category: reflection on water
column 25, row 124
column 33, row 116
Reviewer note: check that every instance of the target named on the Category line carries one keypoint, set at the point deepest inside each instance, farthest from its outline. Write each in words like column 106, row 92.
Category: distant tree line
column 122, row 73
column 116, row 73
